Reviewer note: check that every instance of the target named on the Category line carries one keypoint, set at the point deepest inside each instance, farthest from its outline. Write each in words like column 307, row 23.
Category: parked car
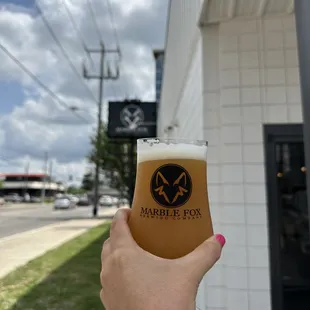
column 64, row 203
column 35, row 199
column 26, row 198
column 115, row 200
column 106, row 201
column 13, row 198
column 73, row 198
column 123, row 201
column 83, row 201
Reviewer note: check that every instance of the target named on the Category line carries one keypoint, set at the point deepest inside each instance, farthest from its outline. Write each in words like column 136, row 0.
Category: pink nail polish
column 221, row 239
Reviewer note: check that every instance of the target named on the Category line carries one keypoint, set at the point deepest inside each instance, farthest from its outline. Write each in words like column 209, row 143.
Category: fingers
column 120, row 234
column 206, row 255
column 102, row 296
column 106, row 249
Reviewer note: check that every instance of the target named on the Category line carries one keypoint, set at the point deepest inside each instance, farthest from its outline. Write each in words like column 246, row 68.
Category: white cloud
column 40, row 123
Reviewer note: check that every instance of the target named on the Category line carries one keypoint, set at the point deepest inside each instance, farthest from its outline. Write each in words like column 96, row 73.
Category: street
column 17, row 219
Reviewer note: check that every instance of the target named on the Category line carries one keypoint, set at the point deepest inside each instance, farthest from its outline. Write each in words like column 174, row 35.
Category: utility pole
column 108, row 75
column 44, row 177
column 27, row 176
column 50, row 172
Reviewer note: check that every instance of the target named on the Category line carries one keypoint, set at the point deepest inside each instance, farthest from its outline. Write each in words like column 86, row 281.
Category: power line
column 114, row 28
column 5, row 160
column 39, row 82
column 93, row 15
column 78, row 32
column 65, row 54
column 113, row 23
column 112, row 20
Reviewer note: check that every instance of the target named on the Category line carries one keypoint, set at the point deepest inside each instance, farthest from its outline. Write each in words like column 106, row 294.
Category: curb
column 30, row 232
column 40, row 229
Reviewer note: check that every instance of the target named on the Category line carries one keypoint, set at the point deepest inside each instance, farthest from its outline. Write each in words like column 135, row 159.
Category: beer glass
column 170, row 212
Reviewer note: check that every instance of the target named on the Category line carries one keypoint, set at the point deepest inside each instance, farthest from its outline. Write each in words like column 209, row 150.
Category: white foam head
column 165, row 149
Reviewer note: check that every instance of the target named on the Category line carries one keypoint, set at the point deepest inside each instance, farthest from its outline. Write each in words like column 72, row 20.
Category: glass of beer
column 170, row 211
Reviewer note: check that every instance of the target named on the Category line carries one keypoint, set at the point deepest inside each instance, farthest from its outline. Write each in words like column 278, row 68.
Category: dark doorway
column 288, row 217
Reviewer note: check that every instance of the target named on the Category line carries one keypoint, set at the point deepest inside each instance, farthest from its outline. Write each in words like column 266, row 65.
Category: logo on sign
column 132, row 116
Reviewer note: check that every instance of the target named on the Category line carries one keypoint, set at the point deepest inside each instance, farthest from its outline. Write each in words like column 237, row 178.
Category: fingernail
column 221, row 239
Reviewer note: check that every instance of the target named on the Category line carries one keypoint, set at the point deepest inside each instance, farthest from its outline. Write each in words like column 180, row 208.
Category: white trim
column 291, row 7
column 232, row 8
column 262, row 7
column 205, row 19
column 185, row 77
column 203, row 13
column 164, row 61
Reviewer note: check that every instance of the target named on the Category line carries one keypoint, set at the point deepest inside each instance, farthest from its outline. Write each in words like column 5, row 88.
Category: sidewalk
column 19, row 249
column 8, row 205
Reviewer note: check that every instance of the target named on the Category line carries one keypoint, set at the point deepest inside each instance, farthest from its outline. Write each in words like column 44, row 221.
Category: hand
column 134, row 279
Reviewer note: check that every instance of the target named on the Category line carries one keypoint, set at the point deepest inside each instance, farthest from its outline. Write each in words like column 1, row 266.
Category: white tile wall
column 247, row 76
column 257, row 82
column 265, row 90
column 212, row 119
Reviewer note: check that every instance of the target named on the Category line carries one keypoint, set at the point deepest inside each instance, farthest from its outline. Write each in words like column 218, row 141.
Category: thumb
column 120, row 234
column 205, row 255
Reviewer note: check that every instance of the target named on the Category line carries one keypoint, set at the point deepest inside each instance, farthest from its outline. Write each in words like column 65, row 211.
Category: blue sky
column 41, row 123
column 11, row 93
column 25, row 3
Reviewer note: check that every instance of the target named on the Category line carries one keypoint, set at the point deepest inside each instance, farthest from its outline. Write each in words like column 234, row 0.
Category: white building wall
column 180, row 50
column 188, row 114
column 189, row 109
column 181, row 97
column 214, row 289
column 222, row 85
column 253, row 80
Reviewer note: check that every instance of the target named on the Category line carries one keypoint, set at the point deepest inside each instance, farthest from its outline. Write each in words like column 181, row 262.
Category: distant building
column 32, row 184
column 159, row 56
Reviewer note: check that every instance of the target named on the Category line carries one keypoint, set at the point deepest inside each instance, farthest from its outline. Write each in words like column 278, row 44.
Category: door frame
column 272, row 135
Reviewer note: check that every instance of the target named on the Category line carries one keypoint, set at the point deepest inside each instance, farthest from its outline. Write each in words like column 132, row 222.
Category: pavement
column 18, row 249
column 19, row 218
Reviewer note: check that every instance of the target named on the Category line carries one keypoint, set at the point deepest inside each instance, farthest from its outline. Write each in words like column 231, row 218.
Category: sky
column 31, row 121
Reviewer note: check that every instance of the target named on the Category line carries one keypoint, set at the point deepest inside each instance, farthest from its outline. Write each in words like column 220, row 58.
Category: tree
column 88, row 181
column 115, row 161
column 74, row 190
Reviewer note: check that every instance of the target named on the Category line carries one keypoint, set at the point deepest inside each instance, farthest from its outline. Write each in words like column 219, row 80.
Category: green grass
column 66, row 278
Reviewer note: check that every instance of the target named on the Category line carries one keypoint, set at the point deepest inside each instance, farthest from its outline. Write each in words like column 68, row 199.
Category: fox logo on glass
column 171, row 186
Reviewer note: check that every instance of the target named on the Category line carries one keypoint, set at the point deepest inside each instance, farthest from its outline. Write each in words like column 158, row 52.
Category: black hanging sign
column 132, row 119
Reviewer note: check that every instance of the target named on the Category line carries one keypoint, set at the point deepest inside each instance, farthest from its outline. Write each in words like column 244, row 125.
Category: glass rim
column 158, row 140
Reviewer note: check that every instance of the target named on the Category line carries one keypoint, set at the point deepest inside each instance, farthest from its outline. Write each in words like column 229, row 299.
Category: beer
column 170, row 212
